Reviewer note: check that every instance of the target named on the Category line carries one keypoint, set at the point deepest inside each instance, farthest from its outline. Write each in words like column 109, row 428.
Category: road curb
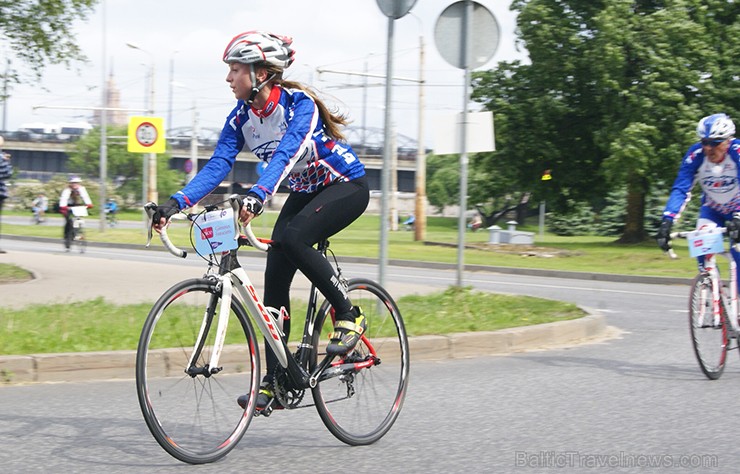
column 106, row 365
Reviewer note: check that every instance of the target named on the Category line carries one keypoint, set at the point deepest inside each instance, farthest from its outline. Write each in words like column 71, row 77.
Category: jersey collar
column 270, row 104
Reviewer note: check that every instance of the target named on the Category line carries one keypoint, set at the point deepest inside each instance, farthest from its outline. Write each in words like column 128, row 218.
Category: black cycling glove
column 664, row 235
column 253, row 203
column 166, row 210
column 733, row 228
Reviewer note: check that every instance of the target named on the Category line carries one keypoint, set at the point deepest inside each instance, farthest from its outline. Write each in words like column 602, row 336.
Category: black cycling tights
column 305, row 219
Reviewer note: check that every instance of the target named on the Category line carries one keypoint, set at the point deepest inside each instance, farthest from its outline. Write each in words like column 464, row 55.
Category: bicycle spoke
column 194, row 418
column 709, row 332
column 361, row 405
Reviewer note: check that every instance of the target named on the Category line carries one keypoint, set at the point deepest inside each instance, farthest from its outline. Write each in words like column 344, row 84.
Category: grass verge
column 98, row 325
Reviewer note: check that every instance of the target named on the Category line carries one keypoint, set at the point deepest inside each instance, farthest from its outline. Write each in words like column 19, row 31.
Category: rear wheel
column 360, row 405
column 191, row 410
column 709, row 332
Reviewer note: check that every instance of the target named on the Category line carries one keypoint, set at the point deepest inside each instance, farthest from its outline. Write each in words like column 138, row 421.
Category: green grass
column 106, row 326
column 361, row 239
column 12, row 274
column 98, row 325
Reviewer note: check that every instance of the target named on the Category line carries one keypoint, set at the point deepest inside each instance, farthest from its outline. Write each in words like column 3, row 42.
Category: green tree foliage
column 39, row 32
column 611, row 96
column 443, row 181
column 123, row 167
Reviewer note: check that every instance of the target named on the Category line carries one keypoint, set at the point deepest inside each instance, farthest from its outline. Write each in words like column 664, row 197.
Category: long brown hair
column 333, row 120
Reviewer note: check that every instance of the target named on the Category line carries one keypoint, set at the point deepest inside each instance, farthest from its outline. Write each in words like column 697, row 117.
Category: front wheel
column 709, row 333
column 189, row 407
column 361, row 404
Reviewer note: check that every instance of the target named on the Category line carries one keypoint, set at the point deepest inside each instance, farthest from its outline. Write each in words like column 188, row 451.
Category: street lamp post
column 150, row 163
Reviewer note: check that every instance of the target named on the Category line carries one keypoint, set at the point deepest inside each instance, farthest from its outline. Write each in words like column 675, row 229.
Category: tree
column 39, row 32
column 611, row 96
column 443, row 182
column 124, row 167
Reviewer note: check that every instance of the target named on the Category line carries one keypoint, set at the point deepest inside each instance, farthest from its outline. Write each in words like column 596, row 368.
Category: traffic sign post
column 467, row 37
column 393, row 9
column 146, row 135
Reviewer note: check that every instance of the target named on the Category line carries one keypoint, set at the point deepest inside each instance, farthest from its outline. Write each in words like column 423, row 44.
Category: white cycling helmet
column 254, row 47
column 715, row 127
column 74, row 179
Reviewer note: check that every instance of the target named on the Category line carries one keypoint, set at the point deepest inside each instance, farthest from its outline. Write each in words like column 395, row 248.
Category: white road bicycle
column 713, row 302
column 198, row 352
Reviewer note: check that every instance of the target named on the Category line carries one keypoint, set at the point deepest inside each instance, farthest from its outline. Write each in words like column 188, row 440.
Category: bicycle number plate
column 215, row 231
column 703, row 243
column 79, row 211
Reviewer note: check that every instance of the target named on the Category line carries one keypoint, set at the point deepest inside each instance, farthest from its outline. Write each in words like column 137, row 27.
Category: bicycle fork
column 223, row 308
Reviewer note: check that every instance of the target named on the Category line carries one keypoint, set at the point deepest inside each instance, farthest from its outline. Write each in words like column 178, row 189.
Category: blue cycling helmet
column 715, row 127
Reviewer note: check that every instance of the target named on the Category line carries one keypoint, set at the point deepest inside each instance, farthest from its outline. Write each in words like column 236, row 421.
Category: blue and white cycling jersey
column 720, row 182
column 288, row 134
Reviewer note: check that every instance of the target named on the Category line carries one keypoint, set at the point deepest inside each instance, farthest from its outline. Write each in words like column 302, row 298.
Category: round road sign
column 146, row 134
column 451, row 28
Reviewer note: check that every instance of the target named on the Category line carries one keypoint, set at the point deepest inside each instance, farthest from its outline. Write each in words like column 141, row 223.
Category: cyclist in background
column 714, row 161
column 288, row 127
column 111, row 208
column 39, row 206
column 74, row 194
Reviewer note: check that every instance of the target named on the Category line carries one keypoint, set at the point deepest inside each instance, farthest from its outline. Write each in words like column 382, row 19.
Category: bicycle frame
column 234, row 280
column 710, row 266
column 718, row 296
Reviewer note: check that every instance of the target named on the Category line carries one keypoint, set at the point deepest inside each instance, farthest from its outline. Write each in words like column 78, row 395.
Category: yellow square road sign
column 146, row 135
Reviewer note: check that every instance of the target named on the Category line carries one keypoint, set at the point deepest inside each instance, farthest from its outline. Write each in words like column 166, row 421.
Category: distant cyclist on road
column 39, row 206
column 111, row 210
column 289, row 128
column 74, row 194
column 714, row 161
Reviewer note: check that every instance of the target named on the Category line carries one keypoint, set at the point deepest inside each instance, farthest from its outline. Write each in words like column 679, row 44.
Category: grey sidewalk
column 66, row 278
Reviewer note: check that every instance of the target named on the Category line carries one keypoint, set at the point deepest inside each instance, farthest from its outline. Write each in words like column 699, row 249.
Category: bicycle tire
column 80, row 239
column 196, row 419
column 360, row 407
column 708, row 337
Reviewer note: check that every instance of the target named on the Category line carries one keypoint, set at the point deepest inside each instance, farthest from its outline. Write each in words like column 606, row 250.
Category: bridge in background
column 41, row 156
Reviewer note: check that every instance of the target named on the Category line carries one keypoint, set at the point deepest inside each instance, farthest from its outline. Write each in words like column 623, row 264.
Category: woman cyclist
column 288, row 127
column 714, row 161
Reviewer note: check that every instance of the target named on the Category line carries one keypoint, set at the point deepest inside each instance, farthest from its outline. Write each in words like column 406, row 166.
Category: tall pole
column 149, row 163
column 387, row 151
column 420, row 211
column 194, row 145
column 153, row 194
column 467, row 20
column 103, row 131
column 5, row 94
column 168, row 125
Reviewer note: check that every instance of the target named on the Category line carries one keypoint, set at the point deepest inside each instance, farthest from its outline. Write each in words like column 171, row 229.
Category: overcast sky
column 191, row 35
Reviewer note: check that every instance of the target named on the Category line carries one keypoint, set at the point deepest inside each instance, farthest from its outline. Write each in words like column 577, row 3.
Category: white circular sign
column 146, row 134
column 395, row 8
column 450, row 30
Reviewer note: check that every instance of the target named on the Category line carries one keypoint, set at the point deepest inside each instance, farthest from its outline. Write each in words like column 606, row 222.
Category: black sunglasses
column 711, row 142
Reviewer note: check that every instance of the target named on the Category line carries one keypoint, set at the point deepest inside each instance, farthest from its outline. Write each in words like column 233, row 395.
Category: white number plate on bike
column 703, row 243
column 215, row 231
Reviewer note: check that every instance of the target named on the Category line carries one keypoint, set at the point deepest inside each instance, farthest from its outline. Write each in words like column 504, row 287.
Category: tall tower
column 113, row 101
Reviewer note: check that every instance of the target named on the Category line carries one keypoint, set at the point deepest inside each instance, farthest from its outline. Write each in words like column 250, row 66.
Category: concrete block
column 85, row 366
column 475, row 344
column 429, row 347
column 17, row 369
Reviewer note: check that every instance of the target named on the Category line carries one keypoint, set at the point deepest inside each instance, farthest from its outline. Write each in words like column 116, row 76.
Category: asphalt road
column 620, row 405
